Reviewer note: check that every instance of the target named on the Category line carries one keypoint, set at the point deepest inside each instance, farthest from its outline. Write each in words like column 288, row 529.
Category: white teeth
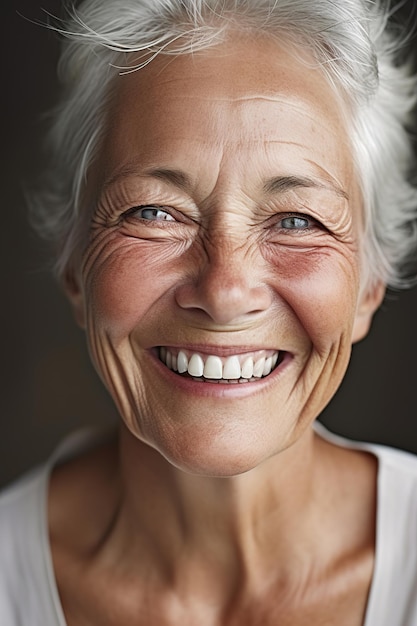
column 196, row 366
column 213, row 367
column 267, row 366
column 258, row 368
column 231, row 369
column 247, row 368
column 182, row 362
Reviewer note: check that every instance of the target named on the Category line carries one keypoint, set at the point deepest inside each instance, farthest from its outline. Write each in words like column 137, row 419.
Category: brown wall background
column 49, row 387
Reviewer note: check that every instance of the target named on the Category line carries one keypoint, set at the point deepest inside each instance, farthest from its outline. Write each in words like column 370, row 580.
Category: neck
column 302, row 522
column 234, row 524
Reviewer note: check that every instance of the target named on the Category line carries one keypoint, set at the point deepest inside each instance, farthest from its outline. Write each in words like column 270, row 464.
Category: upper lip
column 221, row 351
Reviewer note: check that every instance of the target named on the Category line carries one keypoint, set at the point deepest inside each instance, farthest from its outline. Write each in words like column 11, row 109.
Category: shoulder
column 19, row 509
column 20, row 545
column 398, row 463
column 397, row 476
column 28, row 592
column 398, row 460
column 394, row 594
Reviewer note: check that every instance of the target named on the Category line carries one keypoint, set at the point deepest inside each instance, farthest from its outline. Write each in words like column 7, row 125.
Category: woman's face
column 224, row 241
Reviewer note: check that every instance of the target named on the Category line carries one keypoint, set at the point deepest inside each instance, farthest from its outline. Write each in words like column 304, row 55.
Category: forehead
column 248, row 98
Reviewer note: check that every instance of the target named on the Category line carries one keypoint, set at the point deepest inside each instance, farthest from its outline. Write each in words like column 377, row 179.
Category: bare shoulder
column 82, row 492
column 349, row 478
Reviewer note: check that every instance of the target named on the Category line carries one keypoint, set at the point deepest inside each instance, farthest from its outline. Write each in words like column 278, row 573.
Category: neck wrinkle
column 242, row 525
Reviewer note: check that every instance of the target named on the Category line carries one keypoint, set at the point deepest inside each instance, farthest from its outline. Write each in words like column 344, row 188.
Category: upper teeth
column 216, row 368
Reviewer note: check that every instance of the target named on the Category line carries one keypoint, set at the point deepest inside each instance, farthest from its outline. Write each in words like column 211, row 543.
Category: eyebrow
column 277, row 184
column 175, row 177
column 281, row 184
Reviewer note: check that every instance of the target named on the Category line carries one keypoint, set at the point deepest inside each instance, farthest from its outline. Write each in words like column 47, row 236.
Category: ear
column 369, row 302
column 74, row 293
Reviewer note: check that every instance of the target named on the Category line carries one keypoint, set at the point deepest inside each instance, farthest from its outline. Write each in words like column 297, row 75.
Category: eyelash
column 312, row 223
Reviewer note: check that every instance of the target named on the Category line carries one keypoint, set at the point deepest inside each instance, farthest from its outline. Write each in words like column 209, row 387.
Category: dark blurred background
column 49, row 387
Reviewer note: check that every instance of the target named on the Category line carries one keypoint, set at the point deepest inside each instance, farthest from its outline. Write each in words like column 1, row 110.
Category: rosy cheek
column 320, row 286
column 122, row 288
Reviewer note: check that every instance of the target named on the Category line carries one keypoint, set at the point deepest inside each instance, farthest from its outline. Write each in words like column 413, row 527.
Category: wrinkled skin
column 203, row 138
column 227, row 220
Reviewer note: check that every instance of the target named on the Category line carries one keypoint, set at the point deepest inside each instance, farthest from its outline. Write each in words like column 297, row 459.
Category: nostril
column 222, row 299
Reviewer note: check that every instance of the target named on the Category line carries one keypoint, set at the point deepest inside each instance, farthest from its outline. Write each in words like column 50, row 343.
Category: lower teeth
column 224, row 381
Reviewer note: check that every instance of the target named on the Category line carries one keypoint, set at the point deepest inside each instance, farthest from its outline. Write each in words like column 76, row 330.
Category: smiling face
column 224, row 244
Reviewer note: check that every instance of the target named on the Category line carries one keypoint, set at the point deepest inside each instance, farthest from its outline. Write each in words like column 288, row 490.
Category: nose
column 227, row 287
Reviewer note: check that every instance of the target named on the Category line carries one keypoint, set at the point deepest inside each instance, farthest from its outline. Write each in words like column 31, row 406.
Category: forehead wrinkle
column 297, row 105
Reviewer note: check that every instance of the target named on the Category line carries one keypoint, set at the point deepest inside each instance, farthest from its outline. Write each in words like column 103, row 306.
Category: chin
column 224, row 454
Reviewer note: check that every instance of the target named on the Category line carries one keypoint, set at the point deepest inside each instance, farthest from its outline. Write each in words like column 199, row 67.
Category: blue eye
column 295, row 222
column 154, row 214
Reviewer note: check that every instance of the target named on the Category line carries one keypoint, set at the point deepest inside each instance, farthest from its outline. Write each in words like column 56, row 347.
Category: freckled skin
column 224, row 151
column 223, row 271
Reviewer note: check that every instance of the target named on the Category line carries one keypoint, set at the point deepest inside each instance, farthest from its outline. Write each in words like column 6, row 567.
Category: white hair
column 353, row 41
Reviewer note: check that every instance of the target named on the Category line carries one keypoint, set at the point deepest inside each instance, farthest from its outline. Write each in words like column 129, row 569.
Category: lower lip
column 219, row 390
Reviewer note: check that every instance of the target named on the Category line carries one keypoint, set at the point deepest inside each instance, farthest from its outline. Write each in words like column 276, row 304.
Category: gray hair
column 354, row 43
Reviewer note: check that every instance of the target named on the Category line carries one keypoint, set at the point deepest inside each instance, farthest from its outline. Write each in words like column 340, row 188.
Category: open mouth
column 210, row 368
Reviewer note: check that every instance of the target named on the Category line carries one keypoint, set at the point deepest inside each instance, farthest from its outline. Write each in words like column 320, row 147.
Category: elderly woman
column 228, row 199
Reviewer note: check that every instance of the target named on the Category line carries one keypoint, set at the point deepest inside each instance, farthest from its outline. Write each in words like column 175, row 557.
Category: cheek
column 123, row 283
column 321, row 286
